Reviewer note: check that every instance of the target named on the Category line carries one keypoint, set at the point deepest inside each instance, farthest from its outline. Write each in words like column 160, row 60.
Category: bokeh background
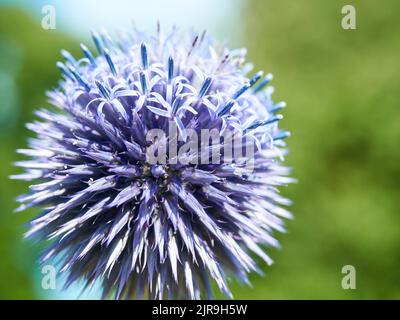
column 342, row 90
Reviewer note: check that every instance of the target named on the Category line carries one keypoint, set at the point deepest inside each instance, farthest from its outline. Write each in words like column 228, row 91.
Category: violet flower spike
column 156, row 230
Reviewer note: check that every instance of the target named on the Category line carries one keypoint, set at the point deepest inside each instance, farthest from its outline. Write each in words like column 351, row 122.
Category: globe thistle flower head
column 124, row 209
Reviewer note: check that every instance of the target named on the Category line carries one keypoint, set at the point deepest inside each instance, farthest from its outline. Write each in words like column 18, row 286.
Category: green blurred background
column 342, row 90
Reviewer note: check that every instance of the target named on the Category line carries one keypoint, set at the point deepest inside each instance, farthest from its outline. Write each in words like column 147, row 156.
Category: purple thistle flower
column 145, row 229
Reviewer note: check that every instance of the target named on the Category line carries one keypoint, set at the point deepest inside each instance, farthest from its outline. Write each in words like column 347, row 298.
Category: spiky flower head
column 156, row 229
